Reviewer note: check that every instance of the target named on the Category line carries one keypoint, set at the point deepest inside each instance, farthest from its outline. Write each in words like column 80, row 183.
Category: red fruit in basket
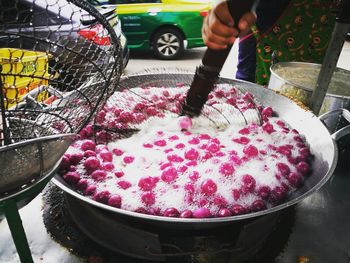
column 65, row 162
column 88, row 145
column 107, row 166
column 185, row 122
column 119, row 174
column 189, row 188
column 165, row 93
column 72, row 168
column 89, row 153
column 174, row 138
column 247, row 96
column 180, row 146
column 90, row 190
column 148, row 183
column 175, row 158
column 125, row 117
column 182, row 169
column 303, row 167
column 128, row 159
column 208, row 187
column 103, row 136
column 169, row 175
column 98, row 175
column 160, row 143
column 244, row 131
column 241, row 140
column 220, row 201
column 250, row 151
column 232, row 101
column 115, row 201
column 171, row 212
column 204, row 136
column 191, row 154
column 86, row 132
column 237, row 210
column 202, row 213
column 283, row 169
column 82, row 184
column 139, row 107
column 164, row 165
column 124, row 184
column 258, row 205
column 278, row 194
column 267, row 111
column 304, row 152
column 75, row 158
column 148, row 145
column 152, row 111
column 106, row 155
column 102, row 196
column 186, row 214
column 224, row 212
column 248, row 183
column 236, row 194
column 139, row 117
column 284, row 150
column 194, row 140
column 268, row 128
column 71, row 177
column 213, row 147
column 100, row 117
column 100, row 147
column 295, row 179
column 118, row 152
column 235, row 160
column 264, row 192
column 194, row 176
column 92, row 164
column 226, row 169
column 148, row 198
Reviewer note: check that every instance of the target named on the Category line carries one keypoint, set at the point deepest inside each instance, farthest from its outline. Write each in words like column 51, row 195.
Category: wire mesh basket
column 59, row 61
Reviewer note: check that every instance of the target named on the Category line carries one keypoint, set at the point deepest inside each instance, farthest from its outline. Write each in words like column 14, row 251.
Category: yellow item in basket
column 21, row 71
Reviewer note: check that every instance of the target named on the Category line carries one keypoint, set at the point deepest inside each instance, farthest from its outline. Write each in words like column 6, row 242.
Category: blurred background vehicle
column 22, row 17
column 167, row 27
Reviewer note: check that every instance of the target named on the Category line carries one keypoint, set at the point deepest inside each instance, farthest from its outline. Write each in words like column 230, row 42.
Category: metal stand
column 17, row 231
column 342, row 27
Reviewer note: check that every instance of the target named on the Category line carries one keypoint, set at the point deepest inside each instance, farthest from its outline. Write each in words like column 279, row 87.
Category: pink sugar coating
column 175, row 158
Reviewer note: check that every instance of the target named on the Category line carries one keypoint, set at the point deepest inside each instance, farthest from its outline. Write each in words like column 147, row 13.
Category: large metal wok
column 322, row 144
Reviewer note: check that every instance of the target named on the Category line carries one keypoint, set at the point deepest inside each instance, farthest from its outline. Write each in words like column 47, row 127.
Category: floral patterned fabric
column 302, row 34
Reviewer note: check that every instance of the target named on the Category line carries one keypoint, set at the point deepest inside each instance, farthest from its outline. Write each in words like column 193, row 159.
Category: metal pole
column 18, row 235
column 342, row 27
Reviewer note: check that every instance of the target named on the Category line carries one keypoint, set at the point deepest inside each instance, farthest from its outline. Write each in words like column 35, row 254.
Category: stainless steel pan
column 322, row 143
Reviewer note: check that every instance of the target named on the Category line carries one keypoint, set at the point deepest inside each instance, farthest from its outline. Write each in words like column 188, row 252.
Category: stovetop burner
column 82, row 229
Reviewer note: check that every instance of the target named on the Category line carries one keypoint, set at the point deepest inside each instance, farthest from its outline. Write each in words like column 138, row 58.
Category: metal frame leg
column 17, row 231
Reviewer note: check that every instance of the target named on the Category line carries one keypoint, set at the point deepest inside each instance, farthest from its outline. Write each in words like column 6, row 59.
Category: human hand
column 219, row 30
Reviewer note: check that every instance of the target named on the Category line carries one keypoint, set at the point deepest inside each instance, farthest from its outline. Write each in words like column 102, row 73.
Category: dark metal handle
column 212, row 63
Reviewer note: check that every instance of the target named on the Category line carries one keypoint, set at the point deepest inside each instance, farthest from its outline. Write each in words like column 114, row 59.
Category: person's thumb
column 247, row 20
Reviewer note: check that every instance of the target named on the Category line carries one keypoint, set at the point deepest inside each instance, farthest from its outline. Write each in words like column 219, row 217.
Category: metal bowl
column 298, row 80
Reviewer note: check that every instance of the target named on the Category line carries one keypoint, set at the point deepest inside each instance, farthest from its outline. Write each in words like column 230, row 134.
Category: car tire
column 168, row 43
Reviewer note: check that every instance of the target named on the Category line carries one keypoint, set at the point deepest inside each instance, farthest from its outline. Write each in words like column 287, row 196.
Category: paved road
column 141, row 61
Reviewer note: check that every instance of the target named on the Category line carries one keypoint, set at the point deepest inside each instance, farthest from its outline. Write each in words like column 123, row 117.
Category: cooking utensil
column 341, row 29
column 33, row 134
column 208, row 72
column 322, row 146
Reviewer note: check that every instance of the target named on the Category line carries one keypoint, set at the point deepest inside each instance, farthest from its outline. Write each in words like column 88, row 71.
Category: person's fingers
column 247, row 20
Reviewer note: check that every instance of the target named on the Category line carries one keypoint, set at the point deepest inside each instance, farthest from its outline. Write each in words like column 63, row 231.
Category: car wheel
column 168, row 43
